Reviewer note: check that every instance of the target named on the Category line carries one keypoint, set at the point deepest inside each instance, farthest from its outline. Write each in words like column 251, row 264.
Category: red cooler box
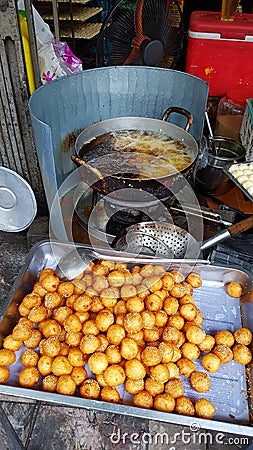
column 220, row 53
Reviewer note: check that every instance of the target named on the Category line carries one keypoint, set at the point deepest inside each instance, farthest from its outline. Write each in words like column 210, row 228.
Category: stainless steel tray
column 237, row 183
column 231, row 386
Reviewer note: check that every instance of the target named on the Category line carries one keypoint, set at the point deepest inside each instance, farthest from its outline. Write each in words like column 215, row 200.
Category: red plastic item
column 220, row 53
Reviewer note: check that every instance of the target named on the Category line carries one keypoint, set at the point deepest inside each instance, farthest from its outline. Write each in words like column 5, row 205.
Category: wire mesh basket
column 246, row 131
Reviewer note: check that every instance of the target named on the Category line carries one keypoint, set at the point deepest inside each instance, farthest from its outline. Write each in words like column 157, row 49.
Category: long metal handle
column 181, row 111
column 215, row 239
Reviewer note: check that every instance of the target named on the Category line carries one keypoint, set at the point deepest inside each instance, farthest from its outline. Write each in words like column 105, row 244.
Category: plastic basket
column 246, row 131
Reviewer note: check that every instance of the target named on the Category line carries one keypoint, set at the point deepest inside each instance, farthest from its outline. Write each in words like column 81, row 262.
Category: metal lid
column 18, row 205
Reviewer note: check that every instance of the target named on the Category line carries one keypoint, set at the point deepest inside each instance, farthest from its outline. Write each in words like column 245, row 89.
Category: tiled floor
column 34, row 425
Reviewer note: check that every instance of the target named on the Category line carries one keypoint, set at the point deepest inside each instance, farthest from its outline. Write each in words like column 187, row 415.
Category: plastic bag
column 56, row 59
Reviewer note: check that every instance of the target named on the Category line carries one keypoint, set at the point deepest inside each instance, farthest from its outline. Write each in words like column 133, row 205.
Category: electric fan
column 142, row 32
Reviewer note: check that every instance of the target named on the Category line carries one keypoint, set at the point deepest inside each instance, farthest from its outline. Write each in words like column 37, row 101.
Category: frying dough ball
column 148, row 319
column 168, row 281
column 65, row 385
column 29, row 358
column 134, row 386
column 11, row 344
column 61, row 366
column 65, row 289
column 89, row 344
column 175, row 387
column 133, row 322
column 184, row 406
column 171, row 335
column 72, row 324
column 50, row 282
column 153, row 302
column 159, row 373
column 109, row 394
column 76, row 357
column 116, row 278
column 113, row 354
column 143, row 400
column 176, row 321
column 186, row 367
column 153, row 386
column 234, row 289
column 34, row 339
column 52, row 300
column 224, row 337
column 242, row 354
column 51, row 328
column 79, row 374
column 224, row 353
column 49, row 383
column 45, row 365
column 211, row 362
column 170, row 305
column 164, row 402
column 37, row 314
column 28, row 377
column 188, row 311
column 114, row 375
column 104, row 319
column 7, row 357
column 90, row 327
column 98, row 362
column 115, row 334
column 190, row 350
column 4, row 374
column 82, row 303
column 194, row 280
column 129, row 348
column 151, row 356
column 195, row 334
column 134, row 369
column 161, row 318
column 204, row 408
column 31, row 300
column 243, row 336
column 167, row 351
column 200, row 381
column 207, row 344
column 173, row 370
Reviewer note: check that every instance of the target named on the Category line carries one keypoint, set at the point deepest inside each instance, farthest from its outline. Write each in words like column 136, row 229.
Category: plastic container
column 220, row 53
column 230, row 114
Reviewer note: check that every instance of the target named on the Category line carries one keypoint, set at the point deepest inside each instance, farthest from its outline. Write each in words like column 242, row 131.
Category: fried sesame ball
column 147, row 270
column 78, row 374
column 174, row 387
column 133, row 322
column 116, row 278
column 89, row 343
column 134, row 369
column 195, row 334
column 115, row 334
column 167, row 351
column 194, row 280
column 73, row 339
column 104, row 319
column 76, row 357
column 31, row 300
column 37, row 314
column 168, row 281
column 98, row 362
column 171, row 335
column 65, row 385
column 45, row 365
column 148, row 319
column 49, row 383
column 164, row 402
column 200, row 381
column 61, row 366
column 50, row 282
column 170, row 305
column 28, row 377
column 52, row 300
column 188, row 311
column 184, row 406
column 109, row 394
column 113, row 354
column 224, row 353
column 204, row 408
column 207, row 344
column 82, row 303
column 178, row 290
column 176, row 321
column 11, row 344
column 190, row 351
column 114, row 375
column 153, row 302
column 224, row 337
column 51, row 328
column 103, row 342
column 50, row 346
column 161, row 318
column 243, row 336
column 242, row 354
column 211, row 362
column 186, row 367
column 159, row 373
column 173, row 370
column 129, row 348
column 90, row 327
column 29, row 358
column 4, row 374
column 151, row 356
column 135, row 304
column 153, row 387
column 7, row 357
column 134, row 386
column 234, row 289
column 143, row 399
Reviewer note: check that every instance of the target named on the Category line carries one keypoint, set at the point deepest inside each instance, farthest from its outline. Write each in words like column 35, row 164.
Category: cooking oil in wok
column 144, row 154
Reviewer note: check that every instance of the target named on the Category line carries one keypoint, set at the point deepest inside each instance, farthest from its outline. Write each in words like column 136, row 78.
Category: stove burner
column 123, row 219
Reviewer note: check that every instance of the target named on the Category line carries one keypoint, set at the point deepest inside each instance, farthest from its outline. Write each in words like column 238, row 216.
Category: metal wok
column 161, row 187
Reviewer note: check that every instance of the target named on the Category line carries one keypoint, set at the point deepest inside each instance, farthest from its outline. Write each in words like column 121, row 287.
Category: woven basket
column 246, row 131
